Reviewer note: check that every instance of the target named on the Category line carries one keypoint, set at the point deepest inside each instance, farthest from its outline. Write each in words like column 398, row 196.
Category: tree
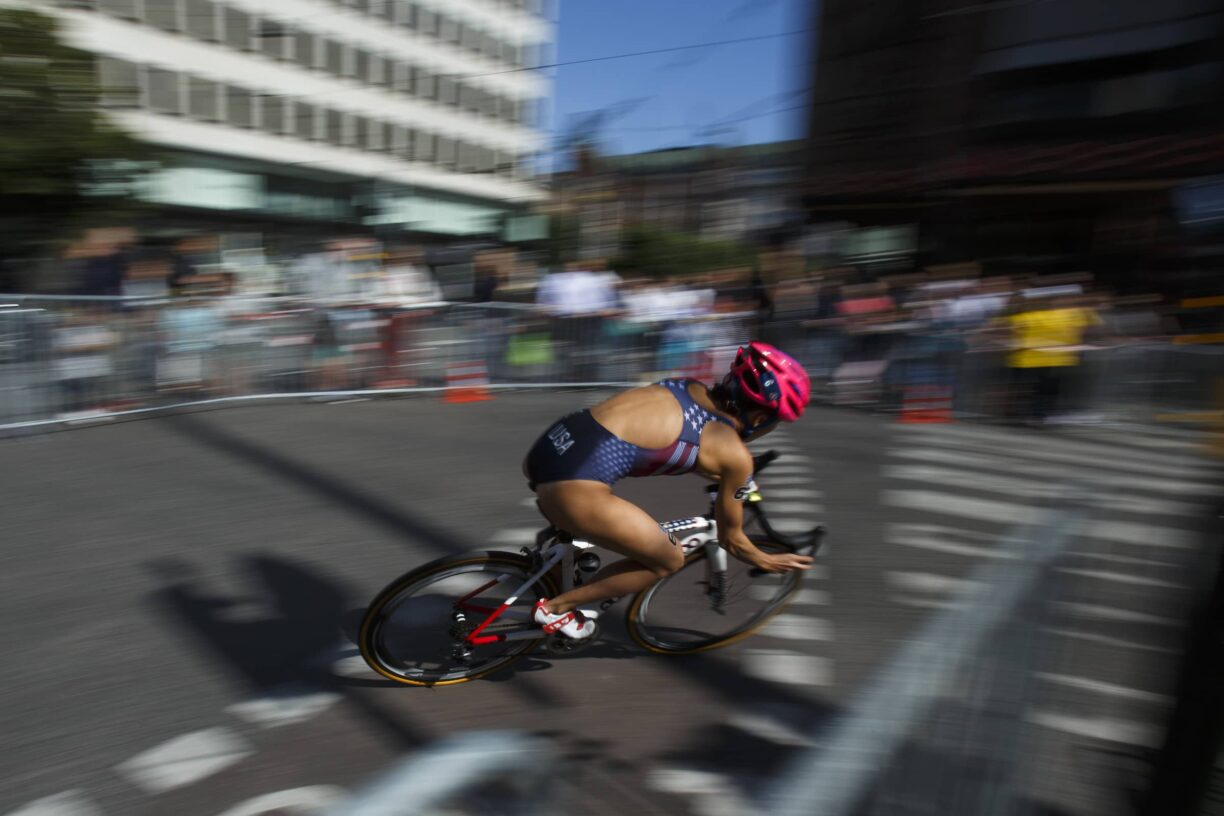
column 659, row 253
column 61, row 158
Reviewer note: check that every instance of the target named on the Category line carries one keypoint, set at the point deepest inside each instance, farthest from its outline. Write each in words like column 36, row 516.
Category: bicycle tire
column 379, row 610
column 643, row 632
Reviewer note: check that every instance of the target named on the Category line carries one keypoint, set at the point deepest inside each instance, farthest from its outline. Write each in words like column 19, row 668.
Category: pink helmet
column 772, row 379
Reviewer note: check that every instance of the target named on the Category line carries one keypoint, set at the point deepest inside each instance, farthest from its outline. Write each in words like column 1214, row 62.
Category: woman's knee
column 670, row 562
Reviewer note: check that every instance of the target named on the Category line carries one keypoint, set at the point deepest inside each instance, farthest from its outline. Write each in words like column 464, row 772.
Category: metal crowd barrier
column 64, row 357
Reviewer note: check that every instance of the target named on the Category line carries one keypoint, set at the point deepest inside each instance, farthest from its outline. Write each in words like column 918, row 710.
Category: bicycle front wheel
column 409, row 634
column 681, row 614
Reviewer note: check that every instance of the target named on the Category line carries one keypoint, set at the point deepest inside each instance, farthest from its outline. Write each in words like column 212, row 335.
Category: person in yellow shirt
column 1046, row 340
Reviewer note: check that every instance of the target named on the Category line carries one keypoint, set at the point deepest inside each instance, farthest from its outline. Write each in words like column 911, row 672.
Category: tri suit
column 578, row 447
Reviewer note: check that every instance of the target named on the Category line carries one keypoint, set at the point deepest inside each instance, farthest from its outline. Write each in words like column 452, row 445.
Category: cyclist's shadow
column 269, row 639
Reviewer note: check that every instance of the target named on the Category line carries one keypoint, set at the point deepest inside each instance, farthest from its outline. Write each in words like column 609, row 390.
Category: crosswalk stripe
column 514, row 536
column 796, row 493
column 767, row 728
column 284, row 707
column 1027, row 443
column 813, row 597
column 799, row 627
column 185, row 759
column 1111, row 613
column 927, row 582
column 1002, row 512
column 806, row 509
column 1180, row 487
column 1120, row 578
column 788, row 667
column 1123, row 559
column 68, row 803
column 1100, row 687
column 1034, row 488
column 925, row 603
column 938, row 543
column 1106, row 640
column 769, row 481
column 1095, row 462
column 1101, row 728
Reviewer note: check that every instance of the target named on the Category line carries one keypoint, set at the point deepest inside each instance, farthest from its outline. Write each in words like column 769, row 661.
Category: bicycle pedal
column 560, row 644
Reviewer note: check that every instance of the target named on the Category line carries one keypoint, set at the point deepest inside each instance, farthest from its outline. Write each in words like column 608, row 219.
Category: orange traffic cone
column 466, row 382
column 926, row 404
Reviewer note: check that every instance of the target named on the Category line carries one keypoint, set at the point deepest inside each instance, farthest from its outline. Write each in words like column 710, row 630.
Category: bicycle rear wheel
column 678, row 614
column 408, row 634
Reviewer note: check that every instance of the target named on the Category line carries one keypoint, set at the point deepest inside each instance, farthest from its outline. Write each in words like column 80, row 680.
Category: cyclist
column 668, row 428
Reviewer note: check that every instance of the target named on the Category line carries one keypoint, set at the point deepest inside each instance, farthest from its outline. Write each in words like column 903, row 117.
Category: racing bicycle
column 467, row 616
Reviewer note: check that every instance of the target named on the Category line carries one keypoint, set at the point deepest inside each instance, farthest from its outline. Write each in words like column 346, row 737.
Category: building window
column 237, row 29
column 447, row 90
column 359, row 64
column 358, row 133
column 304, row 49
column 424, row 147
column 335, row 127
column 427, row 21
column 401, row 77
column 272, row 114
column 164, row 91
column 304, row 126
column 405, row 14
column 238, row 107
column 203, row 99
column 377, row 70
column 163, row 14
column 483, row 160
column 119, row 83
column 272, row 39
column 444, row 153
column 376, row 136
column 333, row 57
column 120, row 8
column 397, row 140
column 426, row 84
column 202, row 20
column 471, row 39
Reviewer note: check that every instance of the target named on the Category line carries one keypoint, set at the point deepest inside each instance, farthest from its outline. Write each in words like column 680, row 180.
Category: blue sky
column 666, row 100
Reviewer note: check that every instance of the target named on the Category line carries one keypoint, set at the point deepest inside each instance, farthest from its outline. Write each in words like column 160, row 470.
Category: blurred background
column 394, row 239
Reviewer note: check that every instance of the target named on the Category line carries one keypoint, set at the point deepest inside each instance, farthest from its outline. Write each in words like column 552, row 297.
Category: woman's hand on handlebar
column 783, row 562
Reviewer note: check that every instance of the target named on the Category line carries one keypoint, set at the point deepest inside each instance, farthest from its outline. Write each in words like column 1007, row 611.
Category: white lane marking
column 1127, row 532
column 308, row 801
column 929, row 582
column 1105, row 640
column 799, row 627
column 816, row 597
column 1112, row 613
column 529, row 502
column 1101, row 728
column 796, row 493
column 1032, row 445
column 1120, row 578
column 1100, row 687
column 963, row 506
column 708, row 793
column 284, row 706
column 1178, row 487
column 788, row 667
column 926, row 603
column 1124, row 559
column 768, row 729
column 1035, row 488
column 1033, row 455
column 185, row 759
column 805, row 509
column 786, row 480
column 68, row 803
column 910, row 535
column 515, row 535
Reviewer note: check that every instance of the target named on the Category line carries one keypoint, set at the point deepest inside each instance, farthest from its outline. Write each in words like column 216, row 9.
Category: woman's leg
column 589, row 510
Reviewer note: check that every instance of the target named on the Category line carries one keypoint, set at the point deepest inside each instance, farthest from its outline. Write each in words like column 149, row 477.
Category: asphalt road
column 179, row 594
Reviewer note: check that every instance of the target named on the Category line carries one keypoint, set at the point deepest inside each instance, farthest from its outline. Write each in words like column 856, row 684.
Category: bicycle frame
column 555, row 548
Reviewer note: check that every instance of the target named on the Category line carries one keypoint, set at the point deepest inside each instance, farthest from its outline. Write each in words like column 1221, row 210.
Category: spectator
column 1047, row 335
column 406, row 280
column 580, row 298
